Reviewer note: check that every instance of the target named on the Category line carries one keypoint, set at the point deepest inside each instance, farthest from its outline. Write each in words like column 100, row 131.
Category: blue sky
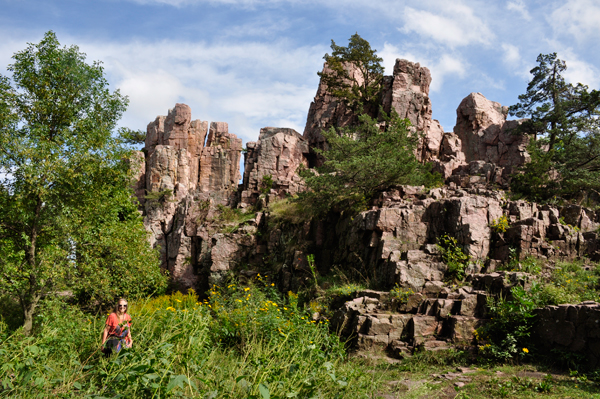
column 254, row 63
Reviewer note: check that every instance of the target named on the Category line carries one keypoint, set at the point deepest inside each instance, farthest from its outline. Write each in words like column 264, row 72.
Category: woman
column 117, row 333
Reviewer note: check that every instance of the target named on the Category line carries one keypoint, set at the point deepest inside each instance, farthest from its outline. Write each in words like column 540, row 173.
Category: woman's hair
column 117, row 304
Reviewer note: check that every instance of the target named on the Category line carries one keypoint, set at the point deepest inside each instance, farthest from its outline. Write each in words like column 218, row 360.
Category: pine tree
column 565, row 133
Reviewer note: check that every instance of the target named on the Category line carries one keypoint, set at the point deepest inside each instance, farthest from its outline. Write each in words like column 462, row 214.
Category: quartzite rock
column 278, row 153
column 486, row 135
column 183, row 179
column 407, row 92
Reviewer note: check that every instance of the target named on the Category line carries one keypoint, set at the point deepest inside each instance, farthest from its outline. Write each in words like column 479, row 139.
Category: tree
column 360, row 90
column 68, row 220
column 132, row 137
column 565, row 133
column 361, row 161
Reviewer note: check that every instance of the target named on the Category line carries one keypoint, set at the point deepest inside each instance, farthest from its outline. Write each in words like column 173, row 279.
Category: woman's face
column 122, row 307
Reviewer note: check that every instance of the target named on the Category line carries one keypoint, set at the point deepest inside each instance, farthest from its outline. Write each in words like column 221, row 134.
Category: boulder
column 486, row 135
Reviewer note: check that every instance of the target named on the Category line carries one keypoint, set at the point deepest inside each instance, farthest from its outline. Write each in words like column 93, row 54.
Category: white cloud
column 520, row 7
column 248, row 85
column 579, row 71
column 442, row 67
column 579, row 18
column 455, row 25
column 511, row 54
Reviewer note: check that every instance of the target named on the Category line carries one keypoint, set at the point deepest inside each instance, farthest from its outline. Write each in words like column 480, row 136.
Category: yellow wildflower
column 525, row 350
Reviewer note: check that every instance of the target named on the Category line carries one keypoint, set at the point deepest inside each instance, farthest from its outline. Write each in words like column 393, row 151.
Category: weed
column 506, row 335
column 401, row 294
column 500, row 225
column 453, row 256
column 313, row 269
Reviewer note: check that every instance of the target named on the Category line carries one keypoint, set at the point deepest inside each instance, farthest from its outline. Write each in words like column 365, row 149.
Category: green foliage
column 528, row 265
column 453, row 256
column 266, row 184
column 569, row 282
column 242, row 342
column 310, row 259
column 565, row 151
column 66, row 193
column 506, row 335
column 360, row 91
column 362, row 161
column 500, row 225
column 232, row 218
column 401, row 294
column 132, row 137
column 288, row 210
column 159, row 196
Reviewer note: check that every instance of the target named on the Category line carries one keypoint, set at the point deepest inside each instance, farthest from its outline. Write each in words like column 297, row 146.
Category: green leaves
column 362, row 161
column 565, row 156
column 66, row 187
column 354, row 73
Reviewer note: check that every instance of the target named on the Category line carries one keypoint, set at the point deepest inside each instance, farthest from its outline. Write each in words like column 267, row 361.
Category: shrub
column 506, row 335
column 266, row 184
column 361, row 161
column 453, row 256
column 500, row 225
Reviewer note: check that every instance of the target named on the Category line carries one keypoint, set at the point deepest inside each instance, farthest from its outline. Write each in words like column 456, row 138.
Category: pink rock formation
column 406, row 91
column 220, row 160
column 486, row 135
column 179, row 132
column 278, row 153
column 179, row 168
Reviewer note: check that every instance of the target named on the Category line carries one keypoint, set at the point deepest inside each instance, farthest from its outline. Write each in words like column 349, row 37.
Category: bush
column 500, row 225
column 453, row 256
column 361, row 161
column 506, row 335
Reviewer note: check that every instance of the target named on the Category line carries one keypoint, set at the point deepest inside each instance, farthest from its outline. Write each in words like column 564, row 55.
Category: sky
column 254, row 63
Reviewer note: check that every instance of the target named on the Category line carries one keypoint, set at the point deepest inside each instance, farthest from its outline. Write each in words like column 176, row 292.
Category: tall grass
column 242, row 342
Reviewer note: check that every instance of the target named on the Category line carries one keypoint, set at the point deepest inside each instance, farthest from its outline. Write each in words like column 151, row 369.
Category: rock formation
column 187, row 184
column 179, row 171
column 276, row 157
column 406, row 91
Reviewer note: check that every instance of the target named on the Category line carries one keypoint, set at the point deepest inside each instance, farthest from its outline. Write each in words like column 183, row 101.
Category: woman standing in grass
column 117, row 333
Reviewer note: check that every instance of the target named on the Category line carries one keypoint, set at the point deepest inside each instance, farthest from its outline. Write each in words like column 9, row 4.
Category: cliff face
column 181, row 168
column 191, row 168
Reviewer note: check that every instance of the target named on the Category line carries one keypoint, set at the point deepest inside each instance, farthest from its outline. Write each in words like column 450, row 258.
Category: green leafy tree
column 360, row 91
column 68, row 220
column 565, row 133
column 361, row 161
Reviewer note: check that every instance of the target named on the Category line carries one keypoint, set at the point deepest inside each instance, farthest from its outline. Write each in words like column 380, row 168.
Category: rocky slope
column 187, row 186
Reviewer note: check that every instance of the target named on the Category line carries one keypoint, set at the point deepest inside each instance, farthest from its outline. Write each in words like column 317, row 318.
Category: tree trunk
column 28, row 312
column 30, row 301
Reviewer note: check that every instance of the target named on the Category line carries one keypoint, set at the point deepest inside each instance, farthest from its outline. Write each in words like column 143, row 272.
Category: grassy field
column 246, row 342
